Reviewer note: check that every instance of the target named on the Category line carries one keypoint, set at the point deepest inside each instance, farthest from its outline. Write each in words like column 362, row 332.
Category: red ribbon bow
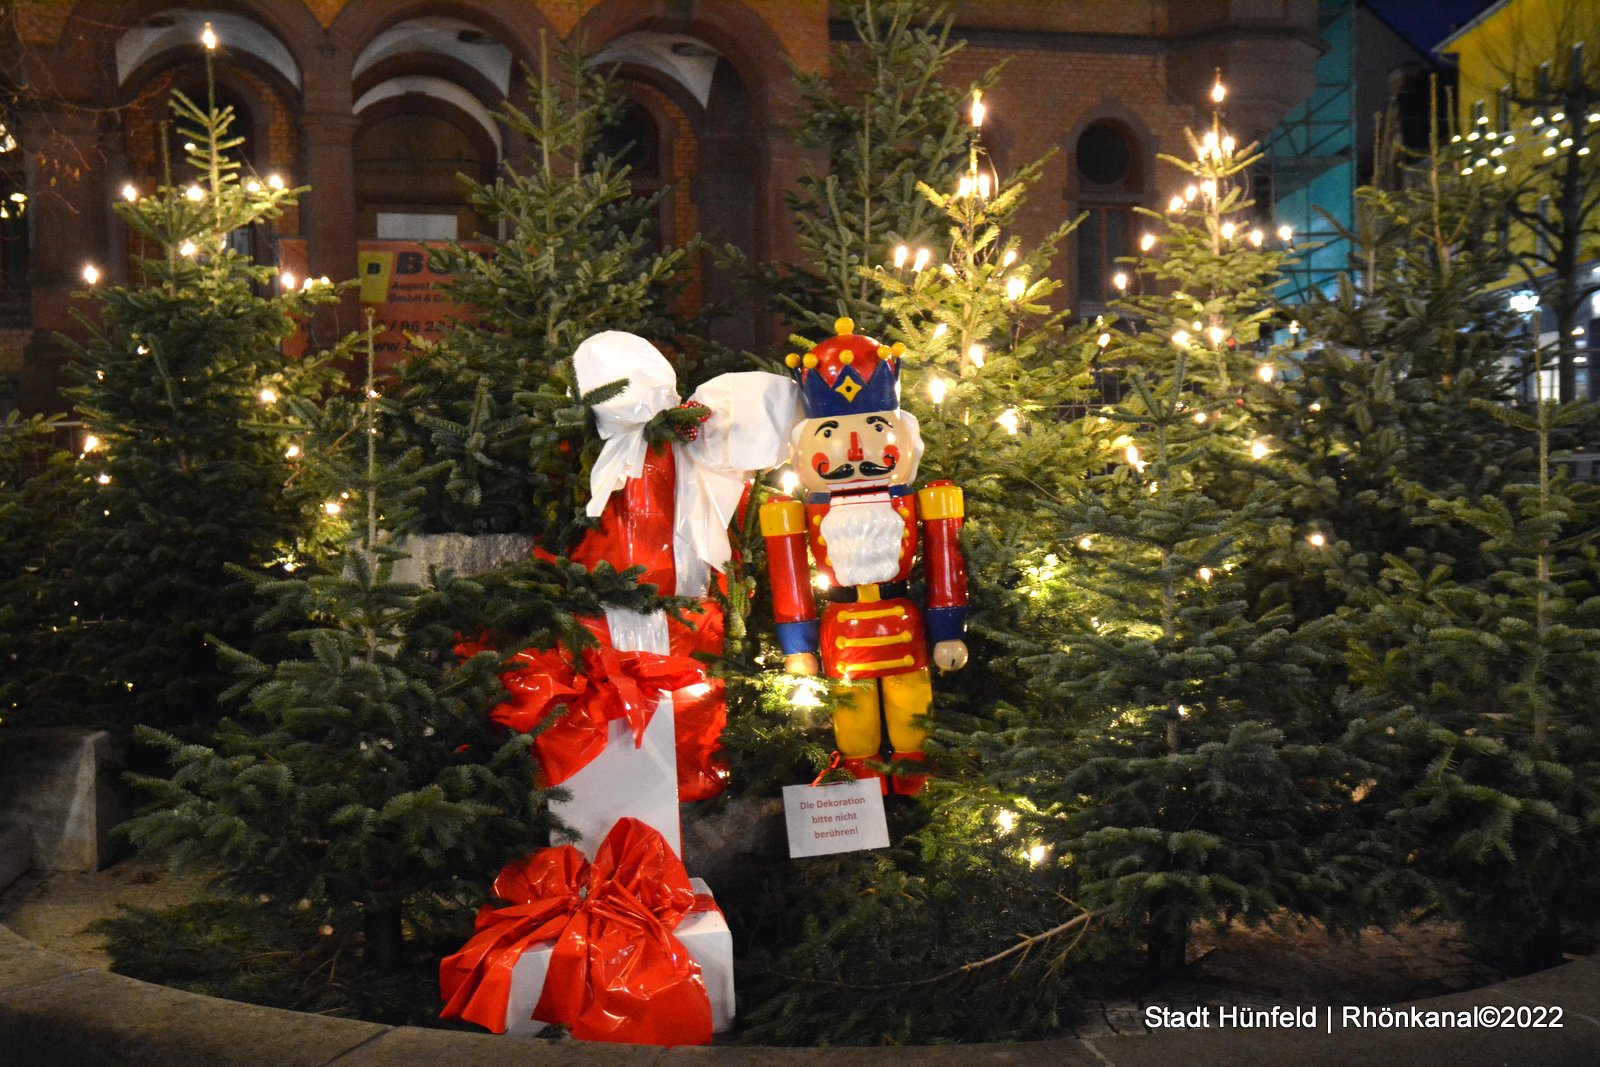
column 616, row 971
column 613, row 685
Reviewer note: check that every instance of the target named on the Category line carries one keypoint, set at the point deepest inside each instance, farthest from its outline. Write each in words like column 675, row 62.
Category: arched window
column 1110, row 181
column 408, row 154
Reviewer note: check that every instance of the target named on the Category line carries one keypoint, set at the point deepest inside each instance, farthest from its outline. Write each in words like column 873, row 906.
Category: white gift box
column 704, row 933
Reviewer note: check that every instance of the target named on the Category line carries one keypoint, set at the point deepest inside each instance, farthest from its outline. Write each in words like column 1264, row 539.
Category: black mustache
column 848, row 470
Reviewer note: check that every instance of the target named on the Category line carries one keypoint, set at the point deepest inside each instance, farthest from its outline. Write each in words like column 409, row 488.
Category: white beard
column 863, row 540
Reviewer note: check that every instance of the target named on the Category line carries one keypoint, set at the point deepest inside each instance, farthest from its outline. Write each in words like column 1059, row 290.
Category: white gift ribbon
column 752, row 413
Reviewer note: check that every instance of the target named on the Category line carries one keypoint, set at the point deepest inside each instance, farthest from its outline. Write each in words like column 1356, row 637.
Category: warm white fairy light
column 1147, row 242
column 1314, row 406
column 1258, row 449
column 948, row 270
column 1103, row 340
column 186, row 249
column 1209, row 187
column 983, row 187
column 937, row 388
column 1175, row 204
column 1015, row 288
column 1180, row 337
column 1227, row 230
column 306, row 284
column 1219, row 92
column 1205, row 574
column 1085, row 542
column 195, row 193
column 190, row 146
column 1131, row 454
column 292, row 452
column 252, row 186
column 964, row 186
column 275, row 181
column 268, row 395
column 1256, row 237
column 941, row 329
column 1038, row 854
column 130, row 192
column 788, row 481
column 324, row 280
column 977, row 353
column 332, row 507
column 1190, row 192
column 1010, row 421
column 1216, row 334
column 901, row 254
column 90, row 444
column 923, row 255
column 822, row 582
column 1120, row 280
column 1317, row 540
column 1227, row 146
column 1266, row 373
column 978, row 109
column 1006, row 821
column 91, row 274
column 104, row 479
column 1009, row 258
column 208, row 37
column 1208, row 144
column 805, row 694
column 1200, row 418
column 286, row 281
column 1285, row 233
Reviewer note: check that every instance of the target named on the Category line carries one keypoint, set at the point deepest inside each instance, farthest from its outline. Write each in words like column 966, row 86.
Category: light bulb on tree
column 130, row 192
column 90, row 444
column 1216, row 334
column 1015, row 288
column 1219, row 92
column 286, row 281
column 267, row 395
column 977, row 353
column 788, row 481
column 1317, row 540
column 1009, row 258
column 978, row 109
column 91, row 274
column 1120, row 280
column 901, row 254
column 1010, row 420
column 923, row 255
column 1147, row 242
column 195, row 193
column 1286, row 233
column 1103, row 340
column 1228, row 230
column 937, row 388
column 1256, row 237
column 208, row 37
column 1258, row 450
column 1180, row 338
column 292, row 452
column 186, row 249
column 1266, row 373
column 274, row 181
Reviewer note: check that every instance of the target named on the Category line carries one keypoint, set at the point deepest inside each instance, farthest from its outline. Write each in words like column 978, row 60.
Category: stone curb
column 54, row 1010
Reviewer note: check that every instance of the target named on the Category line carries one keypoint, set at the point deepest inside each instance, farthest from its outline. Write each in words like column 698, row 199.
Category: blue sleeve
column 797, row 637
column 946, row 624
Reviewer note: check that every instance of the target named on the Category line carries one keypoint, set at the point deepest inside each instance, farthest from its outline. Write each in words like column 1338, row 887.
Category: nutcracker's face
column 860, row 451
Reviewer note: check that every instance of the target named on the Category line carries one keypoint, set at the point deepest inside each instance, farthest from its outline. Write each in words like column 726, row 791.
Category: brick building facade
column 377, row 104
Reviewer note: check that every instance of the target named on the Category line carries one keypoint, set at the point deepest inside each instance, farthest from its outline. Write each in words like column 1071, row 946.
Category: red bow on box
column 613, row 685
column 616, row 971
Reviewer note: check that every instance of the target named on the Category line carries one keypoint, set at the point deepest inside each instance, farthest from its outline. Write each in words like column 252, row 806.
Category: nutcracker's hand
column 806, row 663
column 950, row 655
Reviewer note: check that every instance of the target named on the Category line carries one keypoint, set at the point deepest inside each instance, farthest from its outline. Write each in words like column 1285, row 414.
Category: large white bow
column 747, row 431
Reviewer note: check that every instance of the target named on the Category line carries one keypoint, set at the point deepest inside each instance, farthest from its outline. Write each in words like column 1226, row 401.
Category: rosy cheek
column 820, row 463
column 891, row 455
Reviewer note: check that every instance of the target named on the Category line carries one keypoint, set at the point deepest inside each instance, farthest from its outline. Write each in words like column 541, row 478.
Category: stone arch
column 1107, row 195
column 517, row 25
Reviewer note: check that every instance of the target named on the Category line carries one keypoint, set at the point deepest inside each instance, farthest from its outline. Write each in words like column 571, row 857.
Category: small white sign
column 842, row 817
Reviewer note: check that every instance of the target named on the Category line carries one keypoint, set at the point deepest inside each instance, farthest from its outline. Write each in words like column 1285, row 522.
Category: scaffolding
column 1310, row 160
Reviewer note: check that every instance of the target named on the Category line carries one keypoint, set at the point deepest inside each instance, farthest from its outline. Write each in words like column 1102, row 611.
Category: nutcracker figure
column 856, row 454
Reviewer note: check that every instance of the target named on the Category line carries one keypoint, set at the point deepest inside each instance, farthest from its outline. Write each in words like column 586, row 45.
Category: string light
column 1205, row 574
column 1285, row 233
column 332, row 507
column 1038, row 854
column 1009, row 258
column 1209, row 187
column 292, row 452
column 186, row 249
column 1190, row 192
column 1256, row 237
column 1265, row 372
column 1228, row 230
column 804, row 694
column 267, row 395
column 274, row 181
column 91, row 274
column 252, row 186
column 788, row 481
column 977, row 353
column 286, row 280
column 90, row 444
column 923, row 255
column 1147, row 242
column 964, row 186
column 1219, row 92
column 104, row 479
column 1120, row 280
column 1010, row 420
column 1317, row 540
column 983, row 187
column 1134, row 461
column 208, row 37
column 1227, row 146
column 1175, row 204
column 195, row 193
column 978, row 110
column 901, row 254
column 1085, row 542
column 130, row 193
column 940, row 330
column 1180, row 338
column 822, row 582
column 1014, row 288
column 937, row 387
column 1103, row 340
column 1006, row 821
column 1216, row 333
column 1258, row 449
column 1200, row 418
column 1315, row 406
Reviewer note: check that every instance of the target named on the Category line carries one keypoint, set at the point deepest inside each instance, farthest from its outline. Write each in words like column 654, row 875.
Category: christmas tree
column 495, row 399
column 185, row 395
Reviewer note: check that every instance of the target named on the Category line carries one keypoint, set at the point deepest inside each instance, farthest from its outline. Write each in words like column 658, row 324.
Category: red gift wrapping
column 613, row 685
column 700, row 712
column 616, row 971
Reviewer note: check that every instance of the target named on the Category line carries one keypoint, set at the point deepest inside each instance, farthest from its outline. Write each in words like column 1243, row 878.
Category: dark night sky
column 1427, row 22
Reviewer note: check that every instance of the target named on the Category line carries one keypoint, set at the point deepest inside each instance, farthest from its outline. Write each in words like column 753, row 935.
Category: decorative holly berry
column 700, row 413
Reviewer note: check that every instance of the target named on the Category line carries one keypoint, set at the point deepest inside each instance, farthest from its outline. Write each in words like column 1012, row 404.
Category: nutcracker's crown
column 848, row 374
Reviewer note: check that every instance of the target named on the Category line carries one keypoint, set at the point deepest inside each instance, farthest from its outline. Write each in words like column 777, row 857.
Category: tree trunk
column 385, row 947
